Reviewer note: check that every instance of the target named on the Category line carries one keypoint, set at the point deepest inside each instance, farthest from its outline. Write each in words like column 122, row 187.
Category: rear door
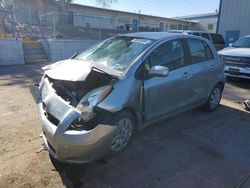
column 166, row 95
column 202, row 66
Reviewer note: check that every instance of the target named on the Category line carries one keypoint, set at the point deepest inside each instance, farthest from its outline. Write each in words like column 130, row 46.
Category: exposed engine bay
column 73, row 91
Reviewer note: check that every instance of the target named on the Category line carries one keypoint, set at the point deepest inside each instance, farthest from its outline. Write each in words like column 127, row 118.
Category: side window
column 169, row 54
column 208, row 50
column 196, row 34
column 205, row 35
column 197, row 50
column 217, row 39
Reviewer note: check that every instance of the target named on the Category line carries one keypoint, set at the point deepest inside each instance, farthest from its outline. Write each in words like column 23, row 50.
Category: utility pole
column 139, row 22
column 54, row 24
column 29, row 15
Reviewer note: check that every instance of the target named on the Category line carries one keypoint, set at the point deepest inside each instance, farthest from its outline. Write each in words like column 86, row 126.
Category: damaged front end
column 74, row 128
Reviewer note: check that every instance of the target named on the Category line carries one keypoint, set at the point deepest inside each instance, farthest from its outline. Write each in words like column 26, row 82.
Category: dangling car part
column 247, row 105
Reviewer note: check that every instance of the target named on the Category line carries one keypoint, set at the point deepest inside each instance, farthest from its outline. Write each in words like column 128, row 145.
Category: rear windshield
column 205, row 35
column 217, row 38
column 197, row 34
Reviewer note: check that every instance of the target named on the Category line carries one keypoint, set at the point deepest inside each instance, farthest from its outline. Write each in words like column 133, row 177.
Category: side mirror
column 158, row 71
column 231, row 45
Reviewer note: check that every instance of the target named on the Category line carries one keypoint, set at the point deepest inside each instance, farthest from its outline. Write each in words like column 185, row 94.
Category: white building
column 234, row 19
column 205, row 22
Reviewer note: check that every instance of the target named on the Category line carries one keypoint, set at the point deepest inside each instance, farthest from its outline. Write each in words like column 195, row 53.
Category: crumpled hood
column 71, row 70
column 238, row 52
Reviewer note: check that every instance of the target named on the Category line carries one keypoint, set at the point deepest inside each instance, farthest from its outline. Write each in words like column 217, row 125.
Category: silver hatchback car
column 92, row 104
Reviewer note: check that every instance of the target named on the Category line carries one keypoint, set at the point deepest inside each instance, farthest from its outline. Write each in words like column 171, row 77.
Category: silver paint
column 149, row 101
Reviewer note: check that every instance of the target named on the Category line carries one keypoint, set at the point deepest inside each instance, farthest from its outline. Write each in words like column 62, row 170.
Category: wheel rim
column 122, row 135
column 215, row 98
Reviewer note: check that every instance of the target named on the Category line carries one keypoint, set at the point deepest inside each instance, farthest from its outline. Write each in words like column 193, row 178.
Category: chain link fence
column 32, row 24
column 78, row 26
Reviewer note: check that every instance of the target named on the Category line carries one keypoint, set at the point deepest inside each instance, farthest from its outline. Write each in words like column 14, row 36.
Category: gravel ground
column 193, row 149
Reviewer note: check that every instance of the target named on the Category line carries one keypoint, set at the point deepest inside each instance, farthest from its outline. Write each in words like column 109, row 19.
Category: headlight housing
column 89, row 101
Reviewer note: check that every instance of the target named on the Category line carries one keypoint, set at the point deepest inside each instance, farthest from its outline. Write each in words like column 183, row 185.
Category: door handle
column 186, row 75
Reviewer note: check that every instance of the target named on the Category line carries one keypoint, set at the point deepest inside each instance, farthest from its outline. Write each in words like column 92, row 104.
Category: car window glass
column 196, row 34
column 169, row 54
column 197, row 50
column 217, row 39
column 244, row 42
column 208, row 50
column 116, row 53
column 205, row 35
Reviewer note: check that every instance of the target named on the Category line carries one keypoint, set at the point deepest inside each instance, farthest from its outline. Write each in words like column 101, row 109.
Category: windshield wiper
column 74, row 56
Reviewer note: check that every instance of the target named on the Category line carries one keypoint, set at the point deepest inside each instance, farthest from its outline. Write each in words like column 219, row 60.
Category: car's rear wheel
column 125, row 128
column 214, row 99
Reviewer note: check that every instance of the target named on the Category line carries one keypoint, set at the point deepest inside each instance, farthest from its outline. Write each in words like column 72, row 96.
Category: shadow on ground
column 242, row 83
column 194, row 149
column 20, row 75
column 237, row 90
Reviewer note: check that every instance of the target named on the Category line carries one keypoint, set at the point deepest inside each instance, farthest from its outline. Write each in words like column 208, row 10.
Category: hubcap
column 215, row 98
column 122, row 135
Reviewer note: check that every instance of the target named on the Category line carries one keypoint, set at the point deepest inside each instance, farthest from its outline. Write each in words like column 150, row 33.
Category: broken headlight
column 89, row 101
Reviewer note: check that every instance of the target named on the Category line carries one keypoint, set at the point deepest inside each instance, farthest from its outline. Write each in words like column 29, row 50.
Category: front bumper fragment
column 62, row 143
column 237, row 72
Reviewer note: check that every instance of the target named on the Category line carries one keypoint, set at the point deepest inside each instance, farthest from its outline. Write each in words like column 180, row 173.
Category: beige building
column 30, row 11
column 111, row 19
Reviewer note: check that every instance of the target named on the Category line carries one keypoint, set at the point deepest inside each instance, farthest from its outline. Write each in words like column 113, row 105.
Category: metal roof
column 152, row 35
column 131, row 13
column 212, row 14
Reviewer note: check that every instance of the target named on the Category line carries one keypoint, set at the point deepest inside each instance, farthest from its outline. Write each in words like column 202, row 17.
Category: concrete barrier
column 57, row 49
column 11, row 52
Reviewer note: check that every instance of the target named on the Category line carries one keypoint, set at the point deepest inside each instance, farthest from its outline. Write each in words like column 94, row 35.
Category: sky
column 164, row 8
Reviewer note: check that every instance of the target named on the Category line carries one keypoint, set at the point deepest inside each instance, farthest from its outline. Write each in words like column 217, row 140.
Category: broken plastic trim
column 247, row 105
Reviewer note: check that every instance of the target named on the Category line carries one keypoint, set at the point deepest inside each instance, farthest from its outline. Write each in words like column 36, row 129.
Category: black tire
column 214, row 98
column 121, row 120
column 57, row 164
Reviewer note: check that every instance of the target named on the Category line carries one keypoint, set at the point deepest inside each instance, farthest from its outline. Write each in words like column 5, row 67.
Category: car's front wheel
column 214, row 99
column 125, row 128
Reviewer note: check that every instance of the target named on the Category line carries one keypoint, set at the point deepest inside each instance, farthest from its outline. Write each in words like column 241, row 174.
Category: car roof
column 153, row 35
column 192, row 31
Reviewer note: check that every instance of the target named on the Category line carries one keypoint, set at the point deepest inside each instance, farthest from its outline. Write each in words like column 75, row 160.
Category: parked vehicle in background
column 237, row 58
column 91, row 105
column 217, row 39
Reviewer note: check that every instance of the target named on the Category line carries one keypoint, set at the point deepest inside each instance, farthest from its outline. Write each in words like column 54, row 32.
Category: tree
column 63, row 7
column 105, row 3
column 64, row 4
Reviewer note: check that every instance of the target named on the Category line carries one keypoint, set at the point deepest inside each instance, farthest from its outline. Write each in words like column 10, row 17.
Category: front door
column 167, row 95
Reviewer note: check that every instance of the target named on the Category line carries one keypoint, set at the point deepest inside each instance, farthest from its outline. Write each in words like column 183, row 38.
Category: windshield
column 244, row 42
column 117, row 52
